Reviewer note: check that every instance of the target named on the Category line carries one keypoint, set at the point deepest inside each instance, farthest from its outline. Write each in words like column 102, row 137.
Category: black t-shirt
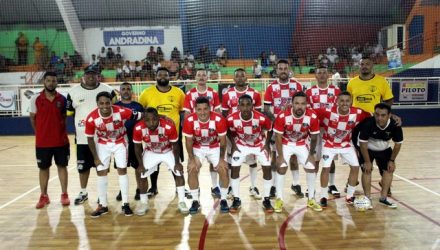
column 377, row 137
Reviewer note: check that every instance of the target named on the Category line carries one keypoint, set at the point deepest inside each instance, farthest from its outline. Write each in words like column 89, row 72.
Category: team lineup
column 284, row 129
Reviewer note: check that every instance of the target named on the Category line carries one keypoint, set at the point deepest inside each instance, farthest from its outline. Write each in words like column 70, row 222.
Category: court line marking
column 8, row 148
column 31, row 190
column 417, row 185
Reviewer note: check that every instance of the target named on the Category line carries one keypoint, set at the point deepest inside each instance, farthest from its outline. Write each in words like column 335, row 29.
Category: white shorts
column 348, row 154
column 250, row 159
column 301, row 152
column 320, row 145
column 239, row 157
column 105, row 151
column 151, row 160
column 210, row 154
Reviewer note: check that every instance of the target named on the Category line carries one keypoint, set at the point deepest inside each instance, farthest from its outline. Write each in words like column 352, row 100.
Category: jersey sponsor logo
column 365, row 98
column 305, row 125
column 165, row 108
column 325, row 157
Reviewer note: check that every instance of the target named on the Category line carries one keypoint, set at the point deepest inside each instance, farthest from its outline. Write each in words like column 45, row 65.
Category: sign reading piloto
column 133, row 37
column 413, row 91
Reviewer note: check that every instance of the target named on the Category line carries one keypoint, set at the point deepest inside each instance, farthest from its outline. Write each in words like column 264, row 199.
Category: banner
column 133, row 37
column 416, row 90
column 26, row 95
column 7, row 100
column 394, row 59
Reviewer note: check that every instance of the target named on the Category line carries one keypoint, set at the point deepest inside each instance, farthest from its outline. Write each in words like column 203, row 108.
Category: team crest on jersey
column 211, row 130
column 58, row 105
column 170, row 98
column 117, row 122
column 305, row 125
column 325, row 157
column 330, row 95
column 236, row 158
column 255, row 126
column 372, row 88
column 350, row 122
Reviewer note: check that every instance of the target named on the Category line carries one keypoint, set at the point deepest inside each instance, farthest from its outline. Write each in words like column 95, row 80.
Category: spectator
column 188, row 56
column 137, row 70
column 22, row 43
column 38, row 48
column 204, row 54
column 126, row 69
column 355, row 59
column 175, row 54
column 53, row 59
column 102, row 56
column 294, row 61
column 66, row 58
column 110, row 57
column 77, row 60
column 214, row 70
column 119, row 73
column 173, row 69
column 272, row 58
column 186, row 73
column 257, row 69
column 68, row 71
column 147, row 71
column 119, row 55
column 199, row 64
column 151, row 55
column 93, row 62
column 332, row 56
column 264, row 61
column 310, row 60
column 156, row 66
column 59, row 70
column 160, row 56
column 221, row 55
column 378, row 53
column 332, row 47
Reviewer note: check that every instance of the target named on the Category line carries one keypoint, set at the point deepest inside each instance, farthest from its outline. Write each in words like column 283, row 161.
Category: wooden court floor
column 415, row 224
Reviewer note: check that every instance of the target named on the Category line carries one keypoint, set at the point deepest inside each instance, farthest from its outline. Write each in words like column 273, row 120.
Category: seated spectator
column 119, row 55
column 221, row 55
column 214, row 75
column 147, row 71
column 272, row 58
column 159, row 53
column 111, row 57
column 187, row 62
column 127, row 69
column 378, row 53
column 199, row 65
column 137, row 69
column 188, row 56
column 336, row 77
column 257, row 70
column 102, row 55
column 356, row 59
column 93, row 62
column 340, row 64
column 59, row 70
column 264, row 61
column 174, row 68
column 151, row 55
column 119, row 73
column 175, row 54
column 53, row 59
column 332, row 56
column 213, row 66
column 294, row 61
column 310, row 59
column 332, row 47
column 204, row 55
column 186, row 73
column 77, row 60
column 66, row 58
column 156, row 65
column 68, row 71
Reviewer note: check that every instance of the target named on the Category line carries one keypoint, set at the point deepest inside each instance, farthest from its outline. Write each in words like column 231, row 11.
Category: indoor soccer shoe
column 152, row 192
column 81, row 198
column 314, row 205
column 278, row 205
column 254, row 192
column 273, row 192
column 127, row 210
column 267, row 206
column 137, row 195
column 323, row 202
column 183, row 209
column 100, row 210
column 385, row 202
column 141, row 208
column 230, row 194
column 43, row 201
column 195, row 206
column 119, row 196
column 65, row 199
column 334, row 191
column 349, row 200
column 224, row 207
column 297, row 190
column 236, row 205
column 215, row 192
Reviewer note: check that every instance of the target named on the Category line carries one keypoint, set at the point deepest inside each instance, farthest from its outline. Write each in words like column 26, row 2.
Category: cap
column 90, row 70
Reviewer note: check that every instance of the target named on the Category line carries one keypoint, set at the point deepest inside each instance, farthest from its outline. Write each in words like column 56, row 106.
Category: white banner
column 394, row 59
column 413, row 91
column 26, row 96
column 7, row 100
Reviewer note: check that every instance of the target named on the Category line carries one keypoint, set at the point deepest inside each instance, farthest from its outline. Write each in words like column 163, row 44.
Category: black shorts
column 381, row 157
column 44, row 156
column 132, row 160
column 85, row 159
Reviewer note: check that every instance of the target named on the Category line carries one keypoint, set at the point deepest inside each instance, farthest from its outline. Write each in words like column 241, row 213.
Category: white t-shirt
column 220, row 52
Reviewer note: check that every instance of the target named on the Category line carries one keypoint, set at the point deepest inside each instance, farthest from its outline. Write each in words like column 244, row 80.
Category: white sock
column 274, row 178
column 181, row 193
column 235, row 184
column 350, row 191
column 83, row 191
column 102, row 190
column 295, row 177
column 144, row 198
column 223, row 193
column 123, row 185
column 267, row 185
column 280, row 185
column 311, row 178
column 324, row 192
column 331, row 179
column 214, row 179
column 253, row 175
column 195, row 194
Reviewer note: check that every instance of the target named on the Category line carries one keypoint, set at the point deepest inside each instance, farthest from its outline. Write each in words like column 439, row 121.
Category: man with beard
column 126, row 92
column 48, row 119
column 293, row 129
column 230, row 105
column 81, row 100
column 168, row 101
column 214, row 103
column 278, row 95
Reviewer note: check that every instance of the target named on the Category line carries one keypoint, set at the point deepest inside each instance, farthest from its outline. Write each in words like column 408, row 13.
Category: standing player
column 321, row 97
column 230, row 105
column 214, row 102
column 168, row 101
column 247, row 133
column 160, row 137
column 375, row 133
column 126, row 92
column 205, row 133
column 81, row 100
column 48, row 119
column 338, row 123
column 107, row 123
column 278, row 95
column 293, row 129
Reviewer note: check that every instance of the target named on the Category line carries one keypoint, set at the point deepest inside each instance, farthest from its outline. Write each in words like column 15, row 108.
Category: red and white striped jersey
column 230, row 99
column 338, row 128
column 279, row 95
column 191, row 96
column 296, row 131
column 109, row 129
column 249, row 133
column 322, row 98
column 158, row 140
column 205, row 134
